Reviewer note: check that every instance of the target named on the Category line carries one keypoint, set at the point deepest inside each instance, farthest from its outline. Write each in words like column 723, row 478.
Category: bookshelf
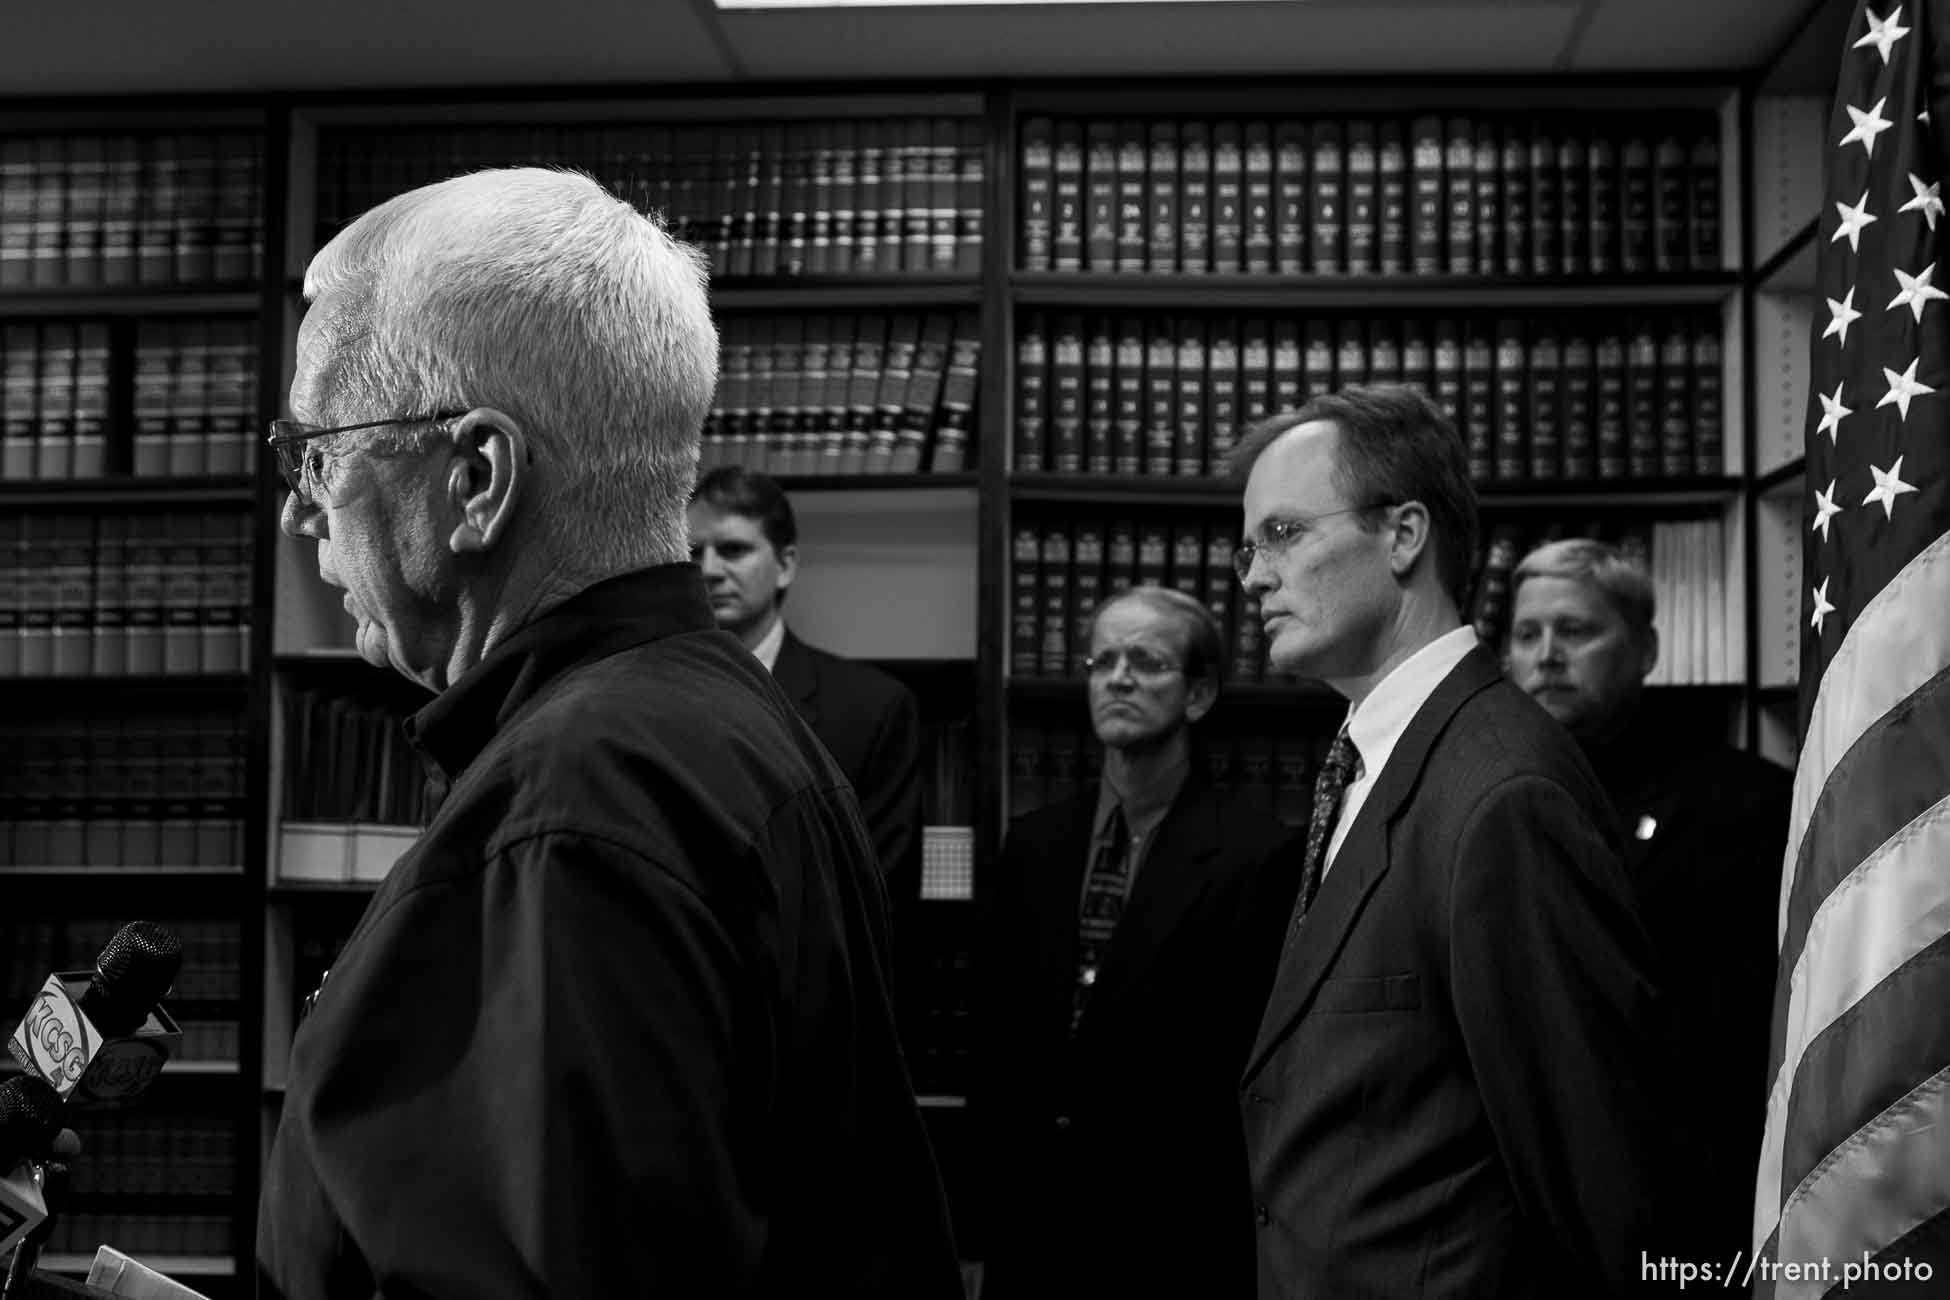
column 131, row 249
column 932, row 567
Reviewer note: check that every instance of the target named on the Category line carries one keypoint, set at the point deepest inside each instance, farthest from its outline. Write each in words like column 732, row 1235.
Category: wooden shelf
column 166, row 493
column 173, row 1265
column 1165, row 490
column 175, row 876
column 130, row 300
column 206, row 1069
column 867, row 292
column 1229, row 291
column 960, row 482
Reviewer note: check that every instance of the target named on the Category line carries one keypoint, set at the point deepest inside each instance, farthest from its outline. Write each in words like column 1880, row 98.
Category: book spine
column 1066, row 396
column 1418, row 355
column 1636, row 203
column 1221, row 417
column 54, row 440
column 1129, row 394
column 1133, row 206
column 1613, row 419
column 1350, row 353
column 1392, row 180
column 1642, row 401
column 87, row 190
column 1100, row 196
column 1671, row 244
column 1579, row 385
column 1290, row 196
column 1546, row 397
column 1255, row 372
column 1427, row 245
column 1160, row 397
column 1676, row 400
column 1296, row 379
column 1479, row 400
column 954, row 432
column 1515, row 171
column 1228, row 197
column 1188, row 454
column 1025, row 603
column 1703, row 207
column 1328, row 173
column 1195, row 197
column 1066, row 247
column 1161, row 197
column 1261, row 218
column 1086, row 592
column 1546, row 193
column 1032, row 395
column 1099, row 358
column 1709, row 400
column 1512, row 388
column 1459, row 184
column 1487, row 167
column 923, row 396
column 971, row 189
column 1053, row 654
column 1573, row 203
column 48, row 255
column 944, row 195
column 1384, row 352
column 1602, row 180
column 1363, row 206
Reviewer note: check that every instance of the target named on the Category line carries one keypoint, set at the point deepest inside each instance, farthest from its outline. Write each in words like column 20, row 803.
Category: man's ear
column 788, row 565
column 1200, row 695
column 1408, row 537
column 487, row 476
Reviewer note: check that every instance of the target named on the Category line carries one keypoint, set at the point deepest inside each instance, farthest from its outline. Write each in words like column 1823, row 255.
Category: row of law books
column 30, row 947
column 193, row 409
column 163, row 792
column 1049, row 763
column 80, row 1230
column 134, row 595
column 88, row 209
column 1061, row 571
column 1562, row 398
column 760, row 199
column 1694, row 611
column 866, row 394
column 1572, row 195
column 142, row 1153
column 346, row 759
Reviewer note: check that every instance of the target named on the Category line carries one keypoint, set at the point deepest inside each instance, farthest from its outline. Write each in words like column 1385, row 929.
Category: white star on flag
column 1853, row 219
column 1842, row 315
column 1917, row 291
column 1926, row 201
column 1867, row 126
column 1825, row 509
column 1889, row 486
column 1903, row 387
column 1822, row 608
column 1832, row 414
column 1883, row 33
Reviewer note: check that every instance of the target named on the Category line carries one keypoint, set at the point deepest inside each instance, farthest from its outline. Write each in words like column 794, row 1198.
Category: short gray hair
column 1620, row 580
column 539, row 293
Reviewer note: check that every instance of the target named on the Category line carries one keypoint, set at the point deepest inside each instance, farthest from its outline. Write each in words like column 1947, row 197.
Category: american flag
column 1855, row 1161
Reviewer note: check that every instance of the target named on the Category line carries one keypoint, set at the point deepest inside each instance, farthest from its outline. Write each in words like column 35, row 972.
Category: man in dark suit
column 744, row 536
column 1446, row 1094
column 1128, row 939
column 1705, row 829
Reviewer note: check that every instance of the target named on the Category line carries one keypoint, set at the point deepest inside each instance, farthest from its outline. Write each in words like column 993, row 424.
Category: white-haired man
column 618, row 1022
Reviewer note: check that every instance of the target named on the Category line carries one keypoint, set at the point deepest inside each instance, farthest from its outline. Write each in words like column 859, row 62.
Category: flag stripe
column 1867, row 1059
column 1885, row 912
column 1899, row 642
column 1882, row 1183
column 1872, row 794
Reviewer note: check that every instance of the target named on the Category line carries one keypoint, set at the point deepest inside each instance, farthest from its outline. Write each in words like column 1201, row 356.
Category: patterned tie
column 1104, row 892
column 1343, row 761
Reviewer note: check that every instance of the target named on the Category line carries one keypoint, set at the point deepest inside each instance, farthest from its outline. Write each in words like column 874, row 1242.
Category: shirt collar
column 1144, row 806
column 1377, row 723
column 768, row 645
column 596, row 622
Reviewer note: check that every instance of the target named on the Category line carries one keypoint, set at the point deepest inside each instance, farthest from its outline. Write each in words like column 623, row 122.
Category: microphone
column 30, row 1120
column 100, row 1038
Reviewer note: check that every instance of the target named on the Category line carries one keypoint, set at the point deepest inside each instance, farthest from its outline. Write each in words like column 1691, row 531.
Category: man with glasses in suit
column 1449, row 1094
column 1127, row 939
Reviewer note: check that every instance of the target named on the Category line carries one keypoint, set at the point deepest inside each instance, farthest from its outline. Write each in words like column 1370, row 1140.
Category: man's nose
column 297, row 519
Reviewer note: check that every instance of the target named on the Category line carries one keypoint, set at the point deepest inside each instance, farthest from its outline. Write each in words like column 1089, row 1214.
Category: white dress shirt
column 768, row 645
column 1377, row 723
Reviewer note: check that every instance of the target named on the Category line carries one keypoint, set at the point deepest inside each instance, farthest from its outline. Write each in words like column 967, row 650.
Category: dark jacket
column 1115, row 1162
column 871, row 725
column 1449, row 1093
column 1705, row 831
column 618, row 1022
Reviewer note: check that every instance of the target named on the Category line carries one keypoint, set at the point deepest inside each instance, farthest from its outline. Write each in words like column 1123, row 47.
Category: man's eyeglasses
column 298, row 460
column 1278, row 536
column 1142, row 662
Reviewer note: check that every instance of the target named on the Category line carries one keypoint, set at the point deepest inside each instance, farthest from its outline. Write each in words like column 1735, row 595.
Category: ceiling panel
column 1684, row 35
column 1153, row 39
column 135, row 46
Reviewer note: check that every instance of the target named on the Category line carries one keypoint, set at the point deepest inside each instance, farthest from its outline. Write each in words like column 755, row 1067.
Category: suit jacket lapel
column 1177, row 869
column 1364, row 858
column 793, row 671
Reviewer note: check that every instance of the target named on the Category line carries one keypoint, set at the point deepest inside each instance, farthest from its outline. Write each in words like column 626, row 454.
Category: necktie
column 1104, row 892
column 1343, row 760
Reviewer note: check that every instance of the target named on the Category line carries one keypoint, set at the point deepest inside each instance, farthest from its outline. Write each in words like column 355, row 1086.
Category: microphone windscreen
column 133, row 973
column 30, row 1119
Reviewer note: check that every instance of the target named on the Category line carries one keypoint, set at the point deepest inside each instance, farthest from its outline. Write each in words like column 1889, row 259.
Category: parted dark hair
column 1204, row 640
column 736, row 490
column 1395, row 446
